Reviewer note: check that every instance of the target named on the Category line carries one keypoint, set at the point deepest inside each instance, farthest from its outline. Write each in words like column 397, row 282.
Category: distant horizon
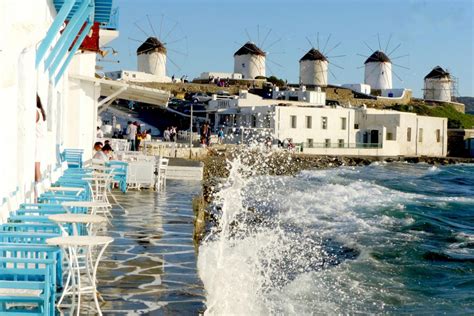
column 420, row 34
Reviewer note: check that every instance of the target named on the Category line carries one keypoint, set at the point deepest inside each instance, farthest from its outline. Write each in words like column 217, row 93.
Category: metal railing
column 345, row 145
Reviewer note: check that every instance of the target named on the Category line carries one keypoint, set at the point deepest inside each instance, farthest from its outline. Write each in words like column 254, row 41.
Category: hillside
column 455, row 119
column 468, row 102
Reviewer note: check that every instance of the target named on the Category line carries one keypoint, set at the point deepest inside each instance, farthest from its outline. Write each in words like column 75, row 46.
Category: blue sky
column 431, row 32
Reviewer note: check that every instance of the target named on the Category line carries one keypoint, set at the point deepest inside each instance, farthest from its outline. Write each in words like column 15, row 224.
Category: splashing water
column 378, row 239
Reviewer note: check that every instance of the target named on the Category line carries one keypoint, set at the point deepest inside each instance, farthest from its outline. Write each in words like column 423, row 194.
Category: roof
column 102, row 9
column 249, row 49
column 130, row 92
column 437, row 73
column 314, row 54
column 378, row 57
column 151, row 45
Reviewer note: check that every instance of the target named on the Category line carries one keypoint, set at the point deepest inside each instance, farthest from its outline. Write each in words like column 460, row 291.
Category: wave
column 325, row 242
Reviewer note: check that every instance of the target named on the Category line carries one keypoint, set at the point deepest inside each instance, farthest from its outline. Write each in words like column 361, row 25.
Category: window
column 310, row 142
column 324, row 122
column 420, row 135
column 343, row 123
column 356, row 126
column 389, row 136
column 327, row 143
column 134, row 75
column 309, row 122
column 409, row 134
column 340, row 143
column 438, row 135
column 293, row 121
column 254, row 120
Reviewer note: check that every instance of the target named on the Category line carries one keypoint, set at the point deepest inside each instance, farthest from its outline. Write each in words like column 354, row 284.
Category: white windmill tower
column 379, row 67
column 378, row 71
column 249, row 60
column 314, row 65
column 314, row 69
column 153, row 54
column 438, row 85
column 151, row 58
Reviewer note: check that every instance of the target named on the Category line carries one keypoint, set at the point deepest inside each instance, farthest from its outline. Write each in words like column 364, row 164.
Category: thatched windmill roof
column 249, row 49
column 313, row 54
column 151, row 45
column 378, row 57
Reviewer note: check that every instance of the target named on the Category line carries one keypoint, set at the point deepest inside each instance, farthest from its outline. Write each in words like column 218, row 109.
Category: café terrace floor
column 150, row 268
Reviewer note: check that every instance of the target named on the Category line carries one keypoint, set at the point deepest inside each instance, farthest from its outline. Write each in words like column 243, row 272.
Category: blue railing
column 114, row 20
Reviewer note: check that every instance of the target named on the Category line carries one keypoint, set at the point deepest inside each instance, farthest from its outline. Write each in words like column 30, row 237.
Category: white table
column 75, row 286
column 74, row 219
column 96, row 207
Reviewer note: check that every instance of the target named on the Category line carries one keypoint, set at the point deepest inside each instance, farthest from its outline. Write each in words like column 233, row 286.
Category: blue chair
column 120, row 173
column 27, row 276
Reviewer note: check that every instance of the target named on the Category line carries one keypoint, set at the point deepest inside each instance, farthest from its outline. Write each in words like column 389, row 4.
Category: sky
column 202, row 35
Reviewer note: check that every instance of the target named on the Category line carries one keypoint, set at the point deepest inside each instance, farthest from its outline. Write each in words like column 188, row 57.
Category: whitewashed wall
column 314, row 72
column 21, row 31
column 154, row 63
column 378, row 75
column 250, row 66
column 70, row 116
column 437, row 89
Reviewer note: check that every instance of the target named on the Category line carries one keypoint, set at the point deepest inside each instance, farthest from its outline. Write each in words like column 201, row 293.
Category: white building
column 332, row 130
column 438, row 85
column 358, row 87
column 37, row 56
column 314, row 69
column 249, row 61
column 378, row 71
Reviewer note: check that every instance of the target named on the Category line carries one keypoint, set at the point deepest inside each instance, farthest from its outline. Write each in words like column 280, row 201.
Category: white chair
column 161, row 168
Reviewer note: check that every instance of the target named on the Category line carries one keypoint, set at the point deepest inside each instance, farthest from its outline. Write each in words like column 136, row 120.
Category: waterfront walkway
column 151, row 266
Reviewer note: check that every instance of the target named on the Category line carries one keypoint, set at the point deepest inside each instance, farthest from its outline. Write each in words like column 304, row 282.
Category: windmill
column 378, row 66
column 314, row 64
column 157, row 48
column 250, row 60
column 438, row 85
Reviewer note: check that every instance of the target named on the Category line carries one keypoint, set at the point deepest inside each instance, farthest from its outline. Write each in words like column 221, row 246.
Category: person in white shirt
column 104, row 153
column 100, row 134
column 131, row 134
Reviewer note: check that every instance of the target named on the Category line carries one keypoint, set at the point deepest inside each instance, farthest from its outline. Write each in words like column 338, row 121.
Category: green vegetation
column 276, row 81
column 455, row 119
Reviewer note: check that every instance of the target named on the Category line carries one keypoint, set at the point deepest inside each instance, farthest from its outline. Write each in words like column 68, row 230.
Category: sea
column 388, row 238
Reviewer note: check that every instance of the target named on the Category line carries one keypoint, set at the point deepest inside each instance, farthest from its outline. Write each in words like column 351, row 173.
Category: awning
column 112, row 90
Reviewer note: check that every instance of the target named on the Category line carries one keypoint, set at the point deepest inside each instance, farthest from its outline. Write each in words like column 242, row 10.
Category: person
column 148, row 135
column 220, row 135
column 40, row 135
column 166, row 135
column 104, row 154
column 204, row 134
column 97, row 146
column 138, row 136
column 173, row 134
column 131, row 134
column 100, row 134
column 208, row 135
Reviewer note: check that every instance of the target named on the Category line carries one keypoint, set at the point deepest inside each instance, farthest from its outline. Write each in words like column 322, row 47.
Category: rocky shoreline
column 279, row 164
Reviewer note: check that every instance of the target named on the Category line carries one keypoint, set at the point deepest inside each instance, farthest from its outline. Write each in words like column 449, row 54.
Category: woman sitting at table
column 104, row 153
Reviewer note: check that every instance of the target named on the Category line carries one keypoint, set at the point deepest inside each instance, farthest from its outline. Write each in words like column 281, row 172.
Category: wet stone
column 150, row 268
